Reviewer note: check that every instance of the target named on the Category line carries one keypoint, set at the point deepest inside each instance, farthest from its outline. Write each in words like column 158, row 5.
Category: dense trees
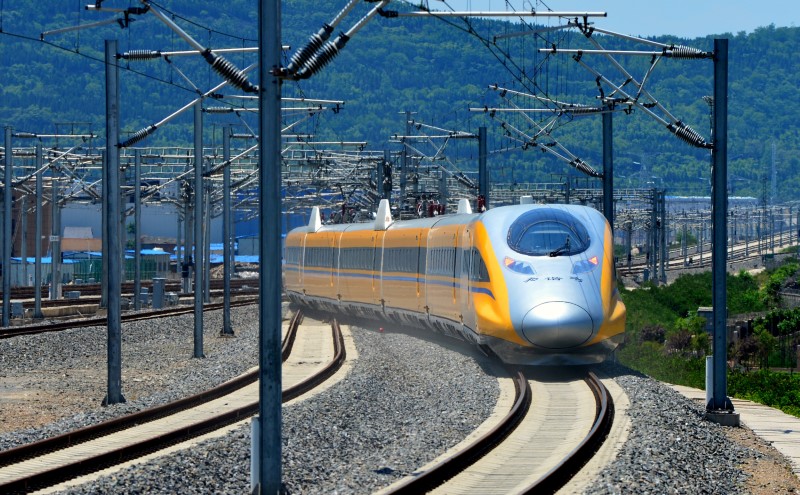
column 432, row 67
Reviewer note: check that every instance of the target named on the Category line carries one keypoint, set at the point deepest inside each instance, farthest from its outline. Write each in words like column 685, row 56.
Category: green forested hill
column 432, row 67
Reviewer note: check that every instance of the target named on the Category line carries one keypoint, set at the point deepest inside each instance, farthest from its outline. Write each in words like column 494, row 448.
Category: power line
column 201, row 26
column 97, row 59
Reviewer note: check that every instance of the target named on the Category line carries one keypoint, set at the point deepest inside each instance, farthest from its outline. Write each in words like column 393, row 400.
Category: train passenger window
column 479, row 272
column 366, row 258
column 548, row 231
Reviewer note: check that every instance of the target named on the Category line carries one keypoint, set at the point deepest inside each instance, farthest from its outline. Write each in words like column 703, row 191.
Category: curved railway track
column 533, row 449
column 54, row 460
column 9, row 332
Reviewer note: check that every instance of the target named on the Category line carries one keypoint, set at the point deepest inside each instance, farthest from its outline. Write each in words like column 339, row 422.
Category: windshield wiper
column 562, row 249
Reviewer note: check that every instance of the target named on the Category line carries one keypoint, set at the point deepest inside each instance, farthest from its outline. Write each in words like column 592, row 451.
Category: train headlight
column 584, row 266
column 522, row 267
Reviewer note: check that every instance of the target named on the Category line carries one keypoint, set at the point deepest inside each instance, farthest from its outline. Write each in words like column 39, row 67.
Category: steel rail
column 564, row 471
column 95, row 299
column 123, row 454
column 448, row 468
column 36, row 449
column 28, row 292
column 10, row 332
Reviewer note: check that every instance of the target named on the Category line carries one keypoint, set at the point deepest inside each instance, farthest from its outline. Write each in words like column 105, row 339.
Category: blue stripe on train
column 395, row 278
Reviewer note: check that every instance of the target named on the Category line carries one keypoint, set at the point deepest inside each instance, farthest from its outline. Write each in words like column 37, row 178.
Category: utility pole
column 720, row 407
column 37, row 268
column 55, row 239
column 268, row 435
column 664, row 258
column 608, row 166
column 483, row 173
column 227, row 330
column 8, row 192
column 23, row 246
column 404, row 160
column 198, row 229
column 112, row 208
column 137, row 218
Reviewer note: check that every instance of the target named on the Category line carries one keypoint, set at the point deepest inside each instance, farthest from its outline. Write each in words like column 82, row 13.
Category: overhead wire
column 529, row 82
column 96, row 59
column 202, row 26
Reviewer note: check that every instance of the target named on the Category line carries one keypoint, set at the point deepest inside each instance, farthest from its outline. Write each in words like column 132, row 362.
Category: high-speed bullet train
column 535, row 284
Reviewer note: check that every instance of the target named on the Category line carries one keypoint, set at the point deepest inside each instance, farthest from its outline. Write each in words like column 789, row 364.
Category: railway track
column 740, row 252
column 309, row 359
column 10, row 332
column 541, row 442
column 127, row 288
column 95, row 299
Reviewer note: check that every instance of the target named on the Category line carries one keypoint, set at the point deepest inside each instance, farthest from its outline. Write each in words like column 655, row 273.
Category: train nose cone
column 557, row 325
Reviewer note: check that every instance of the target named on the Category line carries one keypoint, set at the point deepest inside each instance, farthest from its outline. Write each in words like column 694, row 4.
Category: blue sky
column 684, row 18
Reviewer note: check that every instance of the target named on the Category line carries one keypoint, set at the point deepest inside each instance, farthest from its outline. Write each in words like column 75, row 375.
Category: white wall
column 156, row 221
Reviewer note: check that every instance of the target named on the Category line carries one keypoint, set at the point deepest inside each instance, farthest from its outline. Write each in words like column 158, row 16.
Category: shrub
column 780, row 390
column 677, row 342
column 652, row 333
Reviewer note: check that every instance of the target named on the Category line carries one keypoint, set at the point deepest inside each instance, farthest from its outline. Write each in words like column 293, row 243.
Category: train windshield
column 548, row 232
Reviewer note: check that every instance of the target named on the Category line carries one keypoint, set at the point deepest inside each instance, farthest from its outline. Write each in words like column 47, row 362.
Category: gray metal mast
column 654, row 238
column 664, row 258
column 112, row 207
column 23, row 246
column 404, row 161
column 105, row 241
column 269, row 153
column 198, row 229
column 137, row 218
column 37, row 269
column 55, row 239
column 483, row 174
column 206, row 240
column 187, row 238
column 719, row 175
column 608, row 166
column 226, row 233
column 8, row 191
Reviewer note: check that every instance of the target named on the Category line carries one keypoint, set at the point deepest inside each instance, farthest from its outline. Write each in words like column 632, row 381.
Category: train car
column 534, row 284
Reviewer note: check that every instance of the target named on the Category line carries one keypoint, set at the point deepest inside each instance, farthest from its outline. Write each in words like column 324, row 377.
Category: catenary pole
column 608, row 166
column 104, row 249
column 483, row 173
column 23, row 246
column 137, row 218
column 226, row 233
column 112, row 207
column 206, row 241
column 198, row 230
column 55, row 238
column 37, row 268
column 719, row 175
column 269, row 435
column 8, row 192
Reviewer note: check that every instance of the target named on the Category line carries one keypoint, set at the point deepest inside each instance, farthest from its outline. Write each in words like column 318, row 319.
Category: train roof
column 385, row 222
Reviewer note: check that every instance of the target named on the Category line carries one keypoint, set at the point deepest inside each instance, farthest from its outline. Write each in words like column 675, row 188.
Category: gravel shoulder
column 407, row 398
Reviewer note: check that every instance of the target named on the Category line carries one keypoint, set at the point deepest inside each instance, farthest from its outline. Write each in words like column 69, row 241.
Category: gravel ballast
column 405, row 401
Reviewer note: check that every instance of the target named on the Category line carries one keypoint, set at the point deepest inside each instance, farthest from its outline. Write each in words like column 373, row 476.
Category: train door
column 454, row 261
column 302, row 263
column 333, row 255
column 377, row 267
column 293, row 262
column 420, row 271
column 465, row 265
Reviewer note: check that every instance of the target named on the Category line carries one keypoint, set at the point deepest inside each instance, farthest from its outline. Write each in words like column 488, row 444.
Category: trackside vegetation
column 667, row 340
